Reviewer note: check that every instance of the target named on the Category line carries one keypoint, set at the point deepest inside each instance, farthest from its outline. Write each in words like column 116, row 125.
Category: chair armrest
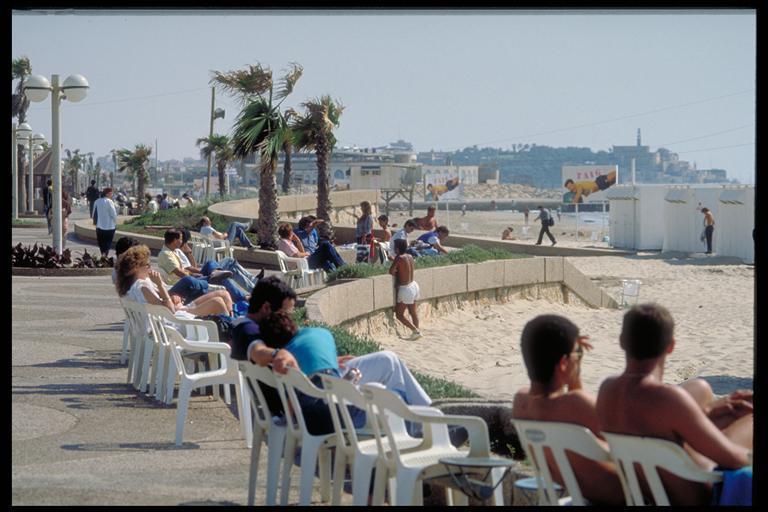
column 208, row 346
column 479, row 443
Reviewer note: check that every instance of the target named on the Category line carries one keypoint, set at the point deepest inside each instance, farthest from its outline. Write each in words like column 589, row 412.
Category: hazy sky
column 439, row 79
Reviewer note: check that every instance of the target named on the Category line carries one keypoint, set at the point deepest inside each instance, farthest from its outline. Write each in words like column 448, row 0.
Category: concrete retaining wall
column 365, row 306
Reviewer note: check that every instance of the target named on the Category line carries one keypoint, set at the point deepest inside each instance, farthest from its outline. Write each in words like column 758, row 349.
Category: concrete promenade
column 80, row 434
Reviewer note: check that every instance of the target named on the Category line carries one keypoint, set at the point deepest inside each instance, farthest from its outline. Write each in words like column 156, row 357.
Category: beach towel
column 735, row 489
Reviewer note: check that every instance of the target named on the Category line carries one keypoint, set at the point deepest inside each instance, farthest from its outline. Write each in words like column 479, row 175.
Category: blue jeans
column 237, row 229
column 241, row 276
column 326, row 257
column 189, row 288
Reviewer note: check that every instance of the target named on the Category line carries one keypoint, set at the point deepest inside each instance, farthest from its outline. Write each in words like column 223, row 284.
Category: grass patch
column 349, row 343
column 467, row 254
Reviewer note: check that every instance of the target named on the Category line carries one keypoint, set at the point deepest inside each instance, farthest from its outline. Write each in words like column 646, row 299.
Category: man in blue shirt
column 433, row 239
column 307, row 232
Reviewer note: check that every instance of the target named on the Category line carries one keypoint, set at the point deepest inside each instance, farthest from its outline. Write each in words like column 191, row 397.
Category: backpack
column 551, row 221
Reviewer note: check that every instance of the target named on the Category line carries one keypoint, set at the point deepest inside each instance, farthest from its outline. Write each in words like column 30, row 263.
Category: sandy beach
column 710, row 298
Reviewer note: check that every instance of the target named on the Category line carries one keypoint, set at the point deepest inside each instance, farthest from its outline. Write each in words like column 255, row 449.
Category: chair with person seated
column 652, row 454
column 226, row 374
column 266, row 428
column 410, row 468
column 301, row 276
column 559, row 438
column 359, row 454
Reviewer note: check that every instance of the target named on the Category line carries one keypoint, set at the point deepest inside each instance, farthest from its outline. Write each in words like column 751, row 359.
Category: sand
column 710, row 298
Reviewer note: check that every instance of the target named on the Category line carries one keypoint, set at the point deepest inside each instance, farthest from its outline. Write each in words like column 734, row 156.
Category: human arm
column 574, row 383
column 163, row 299
column 280, row 359
column 297, row 242
column 190, row 256
column 393, row 267
column 112, row 211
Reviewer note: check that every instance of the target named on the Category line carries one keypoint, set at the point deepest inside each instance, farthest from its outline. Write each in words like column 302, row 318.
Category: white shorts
column 408, row 293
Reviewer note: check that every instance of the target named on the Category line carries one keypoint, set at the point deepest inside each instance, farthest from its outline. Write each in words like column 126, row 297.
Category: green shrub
column 467, row 254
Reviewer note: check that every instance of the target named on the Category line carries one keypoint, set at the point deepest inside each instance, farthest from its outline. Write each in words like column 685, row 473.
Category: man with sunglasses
column 552, row 351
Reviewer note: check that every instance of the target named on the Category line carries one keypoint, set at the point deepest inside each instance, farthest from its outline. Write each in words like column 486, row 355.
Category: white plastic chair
column 266, row 429
column 651, row 453
column 558, row 437
column 138, row 337
column 315, row 449
column 215, row 249
column 360, row 454
column 126, row 338
column 410, row 468
column 630, row 291
column 226, row 374
column 301, row 276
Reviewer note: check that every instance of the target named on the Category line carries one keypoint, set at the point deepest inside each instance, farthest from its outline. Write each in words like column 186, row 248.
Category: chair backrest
column 255, row 374
column 558, row 437
column 651, row 453
column 340, row 394
column 281, row 257
column 137, row 315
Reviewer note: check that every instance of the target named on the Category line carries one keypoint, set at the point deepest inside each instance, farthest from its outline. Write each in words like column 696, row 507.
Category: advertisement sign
column 443, row 185
column 587, row 183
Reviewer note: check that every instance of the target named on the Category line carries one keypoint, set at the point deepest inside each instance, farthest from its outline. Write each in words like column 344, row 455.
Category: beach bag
column 551, row 221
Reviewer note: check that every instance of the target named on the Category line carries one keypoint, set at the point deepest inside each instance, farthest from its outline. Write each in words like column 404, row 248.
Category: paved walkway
column 80, row 434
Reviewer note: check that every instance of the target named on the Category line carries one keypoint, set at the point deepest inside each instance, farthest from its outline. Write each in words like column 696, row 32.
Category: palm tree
column 314, row 131
column 20, row 69
column 220, row 146
column 261, row 127
column 72, row 164
column 135, row 163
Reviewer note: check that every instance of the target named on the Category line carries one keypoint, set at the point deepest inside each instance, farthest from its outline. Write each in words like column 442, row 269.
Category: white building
column 637, row 216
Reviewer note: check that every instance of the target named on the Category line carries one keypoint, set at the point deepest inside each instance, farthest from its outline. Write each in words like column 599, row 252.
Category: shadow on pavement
column 122, row 447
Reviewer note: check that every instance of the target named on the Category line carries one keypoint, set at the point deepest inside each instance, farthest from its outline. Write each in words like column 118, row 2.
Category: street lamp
column 20, row 133
column 74, row 88
column 35, row 148
column 215, row 113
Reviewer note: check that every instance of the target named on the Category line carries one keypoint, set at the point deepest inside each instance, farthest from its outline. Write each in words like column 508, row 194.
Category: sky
column 441, row 80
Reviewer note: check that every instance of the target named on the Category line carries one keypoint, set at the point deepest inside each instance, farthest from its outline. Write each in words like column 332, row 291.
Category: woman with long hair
column 136, row 279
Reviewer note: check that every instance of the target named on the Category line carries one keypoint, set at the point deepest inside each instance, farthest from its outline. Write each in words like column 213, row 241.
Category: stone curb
column 60, row 272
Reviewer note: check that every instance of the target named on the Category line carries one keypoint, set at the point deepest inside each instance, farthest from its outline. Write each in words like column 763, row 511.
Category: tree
column 314, row 131
column 261, row 128
column 20, row 69
column 220, row 146
column 72, row 164
column 135, row 163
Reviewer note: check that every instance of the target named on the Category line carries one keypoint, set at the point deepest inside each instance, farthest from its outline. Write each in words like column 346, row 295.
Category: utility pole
column 210, row 136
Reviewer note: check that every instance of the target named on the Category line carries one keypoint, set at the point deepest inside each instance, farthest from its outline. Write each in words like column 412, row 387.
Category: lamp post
column 20, row 133
column 35, row 146
column 74, row 88
column 215, row 113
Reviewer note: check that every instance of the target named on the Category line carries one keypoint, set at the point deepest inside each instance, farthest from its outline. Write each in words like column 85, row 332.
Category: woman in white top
column 106, row 221
column 139, row 282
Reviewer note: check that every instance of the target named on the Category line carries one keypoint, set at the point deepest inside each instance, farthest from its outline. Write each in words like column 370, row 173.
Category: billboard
column 587, row 183
column 443, row 185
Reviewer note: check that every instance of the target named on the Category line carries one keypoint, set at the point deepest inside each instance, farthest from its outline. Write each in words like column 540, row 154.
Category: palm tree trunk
column 220, row 166
column 323, row 191
column 140, row 192
column 287, row 167
column 22, row 190
column 267, row 223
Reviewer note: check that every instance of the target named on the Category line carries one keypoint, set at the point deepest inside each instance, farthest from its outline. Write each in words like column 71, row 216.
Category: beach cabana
column 637, row 216
column 735, row 224
column 683, row 220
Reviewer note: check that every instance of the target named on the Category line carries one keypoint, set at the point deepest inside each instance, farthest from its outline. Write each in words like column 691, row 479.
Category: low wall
column 365, row 306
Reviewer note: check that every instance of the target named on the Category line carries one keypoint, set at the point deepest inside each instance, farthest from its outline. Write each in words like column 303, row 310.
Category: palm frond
column 245, row 83
column 288, row 81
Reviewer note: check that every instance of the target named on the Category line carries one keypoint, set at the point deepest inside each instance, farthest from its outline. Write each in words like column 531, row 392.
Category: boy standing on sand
column 407, row 288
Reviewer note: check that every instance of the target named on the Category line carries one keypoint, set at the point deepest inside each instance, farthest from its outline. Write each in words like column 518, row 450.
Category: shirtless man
column 428, row 223
column 552, row 350
column 638, row 402
column 407, row 288
column 709, row 228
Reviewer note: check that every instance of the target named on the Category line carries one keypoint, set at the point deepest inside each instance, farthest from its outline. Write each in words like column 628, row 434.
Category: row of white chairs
column 624, row 451
column 402, row 462
column 163, row 350
column 205, row 248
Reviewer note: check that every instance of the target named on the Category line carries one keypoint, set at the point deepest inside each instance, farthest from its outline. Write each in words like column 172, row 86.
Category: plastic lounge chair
column 226, row 374
column 137, row 338
column 410, row 468
column 265, row 429
column 315, row 450
column 216, row 249
column 301, row 275
column 360, row 454
column 651, row 453
column 558, row 437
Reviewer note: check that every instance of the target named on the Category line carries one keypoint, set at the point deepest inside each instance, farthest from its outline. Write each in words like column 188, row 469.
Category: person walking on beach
column 709, row 228
column 463, row 209
column 407, row 288
column 546, row 221
column 526, row 212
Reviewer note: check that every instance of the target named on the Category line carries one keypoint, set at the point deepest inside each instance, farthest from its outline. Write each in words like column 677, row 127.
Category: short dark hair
column 185, row 235
column 270, row 289
column 443, row 229
column 284, row 230
column 647, row 331
column 409, row 222
column 569, row 180
column 383, row 218
column 430, row 207
column 705, row 210
column 106, row 190
column 545, row 340
column 304, row 222
column 93, row 182
column 125, row 243
column 401, row 245
column 171, row 235
column 277, row 329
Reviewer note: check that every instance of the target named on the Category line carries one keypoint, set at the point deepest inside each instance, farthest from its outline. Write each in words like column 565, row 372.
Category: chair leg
column 149, row 347
column 243, row 410
column 185, row 390
column 171, row 380
column 307, row 475
column 339, row 465
column 324, row 463
column 409, row 490
column 498, row 494
column 126, row 335
column 379, row 484
column 361, row 480
column 156, row 350
column 288, row 455
column 275, row 446
column 254, row 471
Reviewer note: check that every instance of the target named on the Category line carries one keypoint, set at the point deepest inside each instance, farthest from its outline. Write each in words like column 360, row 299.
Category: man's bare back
column 402, row 269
